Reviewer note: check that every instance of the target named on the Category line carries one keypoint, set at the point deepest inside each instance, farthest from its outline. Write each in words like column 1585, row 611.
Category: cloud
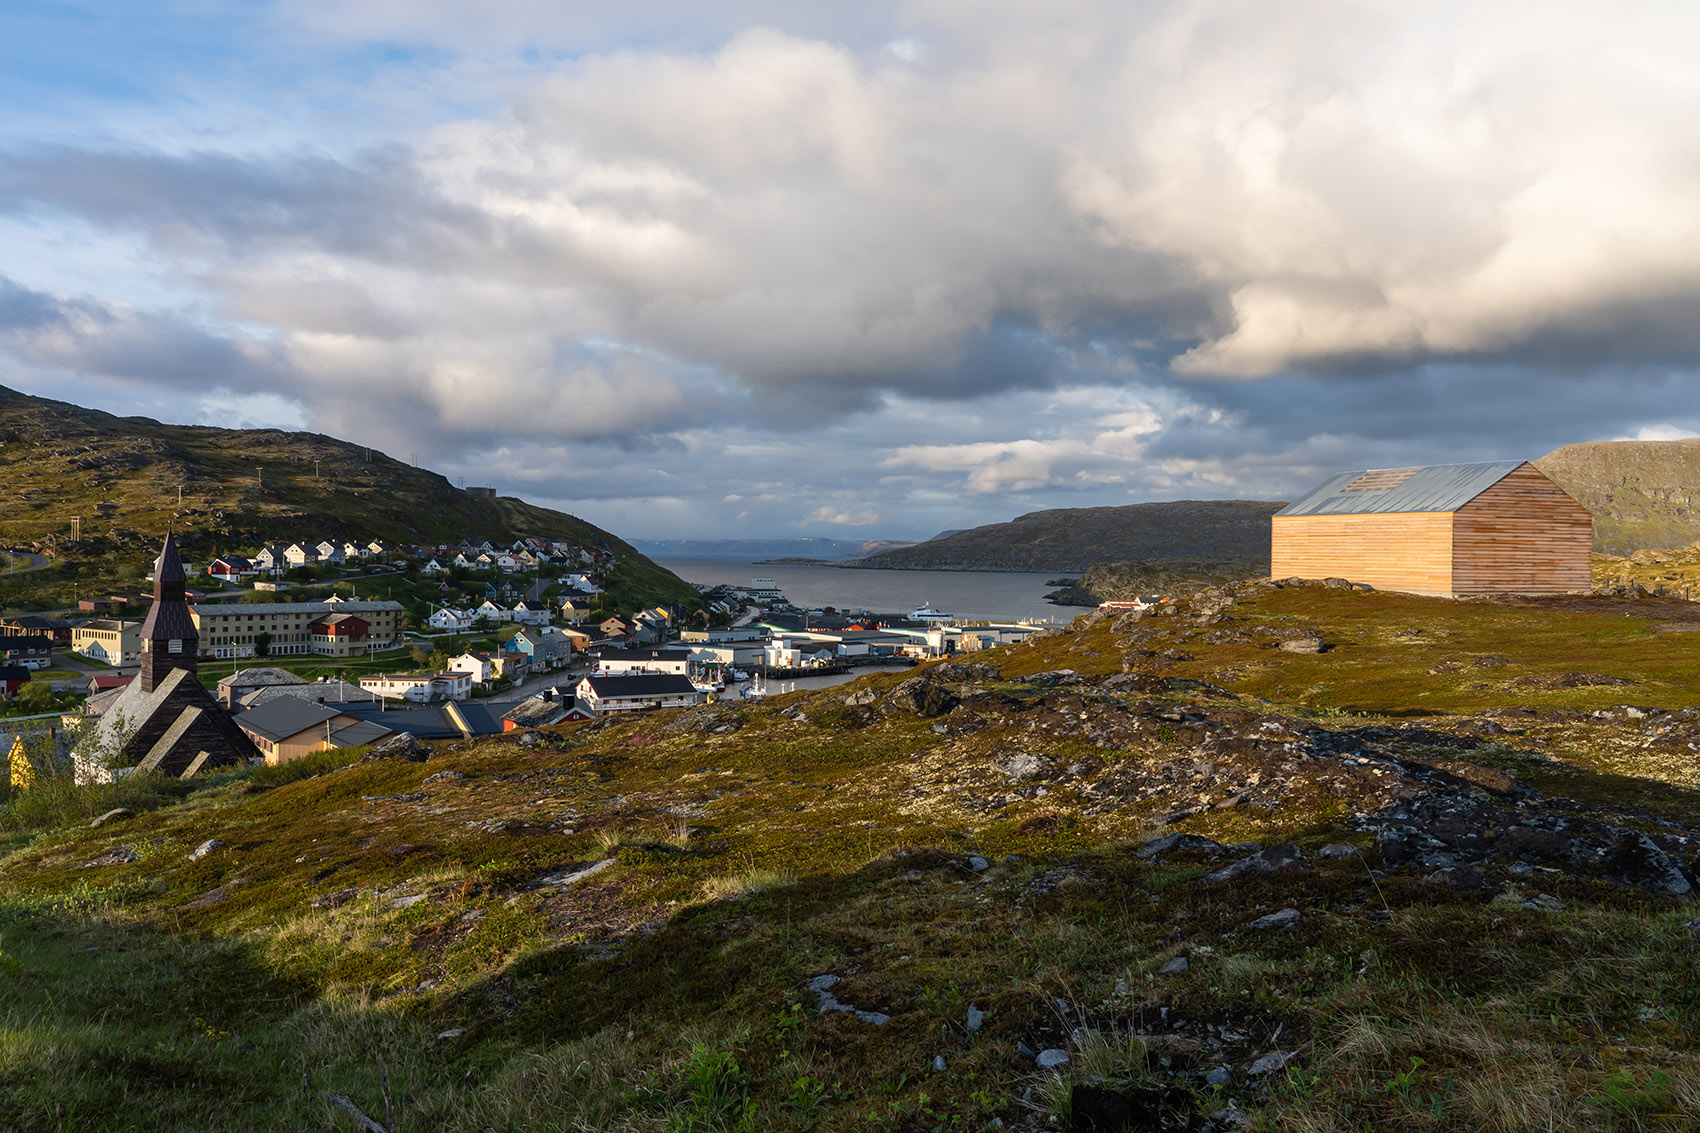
column 830, row 263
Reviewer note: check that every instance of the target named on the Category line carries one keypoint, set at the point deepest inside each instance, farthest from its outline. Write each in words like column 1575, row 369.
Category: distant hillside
column 749, row 550
column 121, row 477
column 1642, row 493
column 1072, row 539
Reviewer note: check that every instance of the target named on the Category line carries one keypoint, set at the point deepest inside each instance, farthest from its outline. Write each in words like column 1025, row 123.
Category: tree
column 262, row 644
column 37, row 696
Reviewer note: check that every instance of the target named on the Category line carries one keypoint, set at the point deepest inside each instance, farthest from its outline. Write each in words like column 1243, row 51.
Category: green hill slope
column 1151, row 866
column 1644, row 494
column 128, row 480
column 1071, row 539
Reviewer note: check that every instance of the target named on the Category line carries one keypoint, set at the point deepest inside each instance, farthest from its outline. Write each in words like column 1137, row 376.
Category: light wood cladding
column 1409, row 551
column 1521, row 535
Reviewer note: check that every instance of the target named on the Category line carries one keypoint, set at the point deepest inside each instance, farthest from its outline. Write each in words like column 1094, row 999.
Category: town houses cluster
column 528, row 553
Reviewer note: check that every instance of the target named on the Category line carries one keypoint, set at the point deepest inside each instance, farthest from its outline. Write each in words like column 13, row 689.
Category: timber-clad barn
column 1450, row 530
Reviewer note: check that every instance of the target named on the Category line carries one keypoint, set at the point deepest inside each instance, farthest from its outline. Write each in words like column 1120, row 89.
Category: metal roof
column 1440, row 487
column 283, row 718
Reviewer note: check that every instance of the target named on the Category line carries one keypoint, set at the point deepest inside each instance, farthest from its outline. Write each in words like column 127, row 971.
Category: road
column 37, row 562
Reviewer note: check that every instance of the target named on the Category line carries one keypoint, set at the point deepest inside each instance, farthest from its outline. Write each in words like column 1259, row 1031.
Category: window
column 176, row 646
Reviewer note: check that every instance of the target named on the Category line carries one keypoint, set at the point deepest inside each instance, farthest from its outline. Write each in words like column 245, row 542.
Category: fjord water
column 981, row 595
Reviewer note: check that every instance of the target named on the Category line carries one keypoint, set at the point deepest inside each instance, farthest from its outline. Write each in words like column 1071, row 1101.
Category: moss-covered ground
column 431, row 941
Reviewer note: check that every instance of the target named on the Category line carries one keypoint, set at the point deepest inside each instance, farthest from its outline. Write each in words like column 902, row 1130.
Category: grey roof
column 285, row 717
column 420, row 723
column 1440, row 487
column 320, row 691
column 360, row 733
column 260, row 677
column 318, row 607
column 649, row 684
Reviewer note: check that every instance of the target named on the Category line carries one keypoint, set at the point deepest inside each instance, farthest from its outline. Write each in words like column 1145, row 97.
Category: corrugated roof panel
column 1441, row 487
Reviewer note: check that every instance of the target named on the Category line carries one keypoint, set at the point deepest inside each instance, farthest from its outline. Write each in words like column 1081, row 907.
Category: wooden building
column 1449, row 530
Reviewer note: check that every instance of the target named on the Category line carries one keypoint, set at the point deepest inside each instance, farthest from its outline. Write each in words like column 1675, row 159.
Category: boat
column 926, row 613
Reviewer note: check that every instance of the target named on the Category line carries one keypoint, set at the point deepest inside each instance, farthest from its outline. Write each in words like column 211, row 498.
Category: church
column 163, row 722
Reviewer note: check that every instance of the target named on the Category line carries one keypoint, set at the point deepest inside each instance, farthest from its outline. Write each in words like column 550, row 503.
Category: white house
column 492, row 611
column 450, row 619
column 506, row 562
column 432, row 567
column 526, row 616
column 419, row 687
column 297, row 555
column 330, row 552
column 480, row 667
column 608, row 695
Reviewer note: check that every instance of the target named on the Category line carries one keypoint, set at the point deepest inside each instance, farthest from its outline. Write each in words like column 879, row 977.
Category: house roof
column 640, row 684
column 14, row 673
column 284, row 717
column 323, row 691
column 1379, row 491
column 360, row 733
column 346, row 606
column 535, row 712
column 422, row 723
column 643, row 654
column 260, row 677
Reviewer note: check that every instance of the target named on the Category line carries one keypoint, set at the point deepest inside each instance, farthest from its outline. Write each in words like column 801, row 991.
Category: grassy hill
column 239, row 488
column 1644, row 494
column 875, row 907
column 1071, row 539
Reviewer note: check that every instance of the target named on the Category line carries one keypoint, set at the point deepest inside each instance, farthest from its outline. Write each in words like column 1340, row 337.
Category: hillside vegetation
column 240, row 488
column 1071, row 539
column 1151, row 872
column 1643, row 494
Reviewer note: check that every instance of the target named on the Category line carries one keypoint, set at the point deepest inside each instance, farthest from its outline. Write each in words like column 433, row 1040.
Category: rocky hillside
column 1644, row 494
column 239, row 488
column 1123, row 582
column 1176, row 872
column 1072, row 539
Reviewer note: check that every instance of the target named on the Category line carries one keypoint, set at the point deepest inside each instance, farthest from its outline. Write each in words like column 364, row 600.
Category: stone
column 1286, row 858
column 1051, row 1059
column 1544, row 902
column 204, row 849
column 452, row 1033
column 1024, row 765
column 112, row 815
column 822, row 987
column 407, row 902
column 399, row 746
column 1460, row 880
column 1303, row 645
column 1053, row 678
column 120, row 855
column 921, row 696
column 978, row 864
column 965, row 671
column 861, row 697
column 573, row 877
column 1286, row 918
column 976, row 1018
column 938, row 1064
column 1174, row 967
column 1271, row 1062
column 449, row 778
column 1220, row 1076
column 1336, row 850
column 1169, row 843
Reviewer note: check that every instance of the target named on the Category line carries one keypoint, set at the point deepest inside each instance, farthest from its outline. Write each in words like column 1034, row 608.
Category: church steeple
column 169, row 638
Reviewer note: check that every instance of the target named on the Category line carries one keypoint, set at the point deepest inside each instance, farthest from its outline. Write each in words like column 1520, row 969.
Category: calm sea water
column 984, row 595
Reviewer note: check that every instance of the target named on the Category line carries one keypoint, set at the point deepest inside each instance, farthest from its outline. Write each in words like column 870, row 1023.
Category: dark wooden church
column 163, row 722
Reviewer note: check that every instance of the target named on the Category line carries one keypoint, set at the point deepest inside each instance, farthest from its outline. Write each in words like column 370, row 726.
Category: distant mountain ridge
column 126, row 481
column 1072, row 539
column 749, row 550
column 1643, row 494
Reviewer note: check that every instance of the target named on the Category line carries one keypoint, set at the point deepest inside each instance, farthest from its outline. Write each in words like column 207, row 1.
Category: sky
column 870, row 270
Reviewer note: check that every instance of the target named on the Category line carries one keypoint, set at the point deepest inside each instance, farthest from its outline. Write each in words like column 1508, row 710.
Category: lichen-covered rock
column 921, row 696
column 399, row 746
column 1302, row 645
column 965, row 671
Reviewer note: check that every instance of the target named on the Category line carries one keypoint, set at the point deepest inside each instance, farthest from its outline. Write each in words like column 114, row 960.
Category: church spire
column 169, row 638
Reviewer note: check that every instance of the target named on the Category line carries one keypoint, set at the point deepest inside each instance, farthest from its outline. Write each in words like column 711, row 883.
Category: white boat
column 926, row 613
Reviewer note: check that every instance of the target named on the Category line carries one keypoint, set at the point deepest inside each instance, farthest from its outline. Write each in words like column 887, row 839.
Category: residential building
column 612, row 662
column 287, row 728
column 298, row 555
column 341, row 635
column 535, row 712
column 270, row 560
column 33, row 651
column 423, row 688
column 450, row 619
column 113, row 641
column 231, row 568
column 235, row 630
column 575, row 608
column 526, row 615
column 492, row 611
column 239, row 684
column 548, row 648
column 376, row 550
column 352, row 551
column 330, row 552
column 603, row 696
column 13, row 678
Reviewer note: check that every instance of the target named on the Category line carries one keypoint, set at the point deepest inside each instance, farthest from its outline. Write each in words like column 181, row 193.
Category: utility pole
column 259, row 476
column 316, row 475
column 76, row 527
column 179, row 495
